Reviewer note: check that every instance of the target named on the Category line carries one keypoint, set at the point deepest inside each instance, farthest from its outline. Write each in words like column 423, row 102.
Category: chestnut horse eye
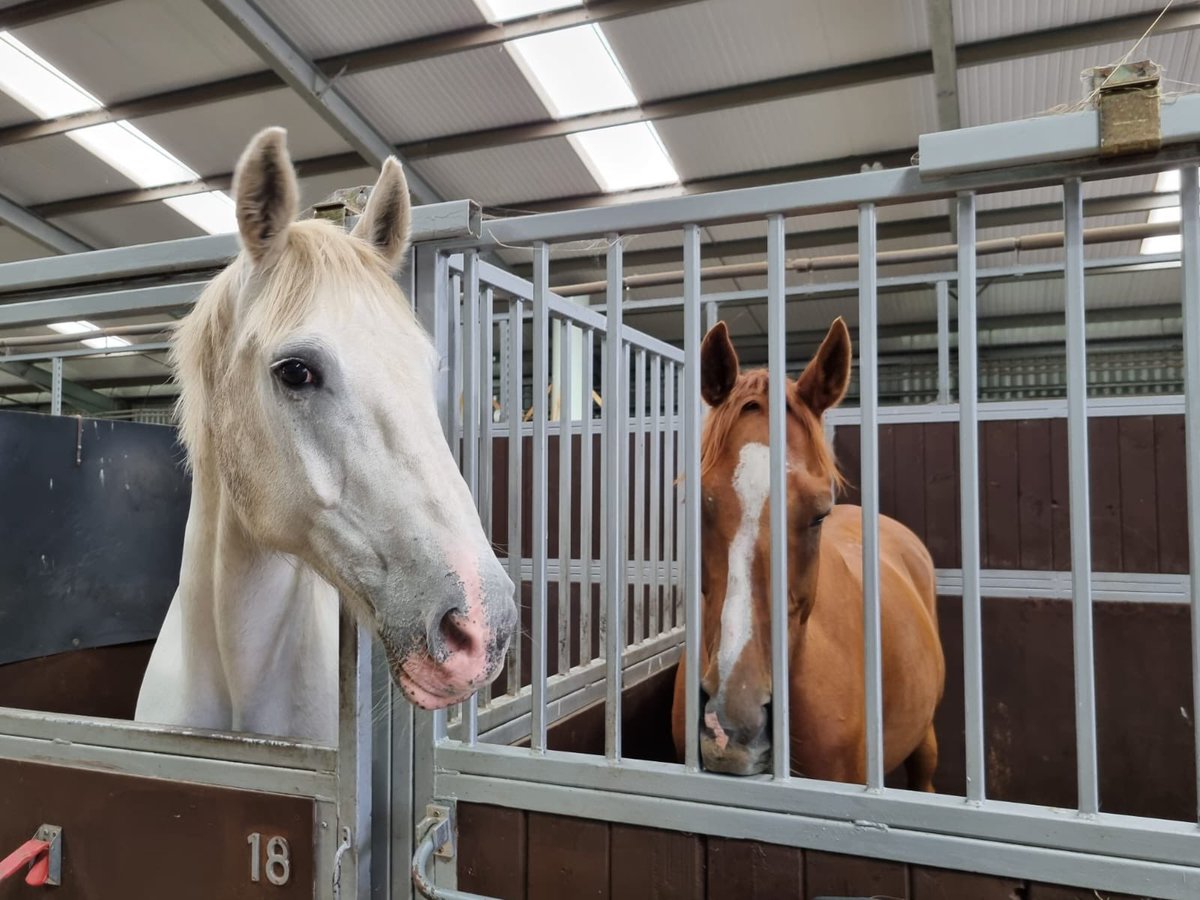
column 294, row 373
column 816, row 522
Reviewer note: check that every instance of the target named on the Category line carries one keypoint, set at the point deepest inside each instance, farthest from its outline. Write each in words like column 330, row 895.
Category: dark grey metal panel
column 89, row 553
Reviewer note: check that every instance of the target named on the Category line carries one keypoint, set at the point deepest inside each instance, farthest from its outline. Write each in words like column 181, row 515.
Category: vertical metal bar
column 614, row 443
column 639, row 498
column 564, row 497
column 668, row 499
column 777, row 428
column 968, row 466
column 486, row 450
column 457, row 357
column 605, row 493
column 655, row 554
column 56, row 380
column 690, row 440
column 540, row 532
column 681, row 492
column 468, row 373
column 943, row 338
column 515, row 411
column 1189, row 196
column 711, row 315
column 587, row 476
column 1081, row 539
column 868, row 372
column 354, row 751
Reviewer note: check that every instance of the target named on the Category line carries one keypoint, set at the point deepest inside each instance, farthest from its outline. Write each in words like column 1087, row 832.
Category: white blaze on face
column 752, row 484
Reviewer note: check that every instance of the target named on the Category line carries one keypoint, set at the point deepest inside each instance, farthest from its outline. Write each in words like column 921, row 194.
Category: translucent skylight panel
column 625, row 157
column 131, row 153
column 212, row 211
column 37, row 85
column 82, row 327
column 1168, row 182
column 574, row 71
column 504, row 10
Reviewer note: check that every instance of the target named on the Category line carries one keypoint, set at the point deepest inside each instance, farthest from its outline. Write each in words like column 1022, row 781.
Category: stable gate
column 1084, row 846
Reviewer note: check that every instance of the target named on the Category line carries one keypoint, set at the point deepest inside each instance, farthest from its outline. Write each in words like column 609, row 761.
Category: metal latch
column 41, row 855
column 435, row 837
column 1127, row 97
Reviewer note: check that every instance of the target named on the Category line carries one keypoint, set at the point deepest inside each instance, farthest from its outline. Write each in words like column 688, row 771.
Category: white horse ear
column 824, row 381
column 264, row 186
column 386, row 222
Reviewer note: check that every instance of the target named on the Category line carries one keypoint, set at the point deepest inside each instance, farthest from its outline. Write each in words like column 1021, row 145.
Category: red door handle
column 28, row 853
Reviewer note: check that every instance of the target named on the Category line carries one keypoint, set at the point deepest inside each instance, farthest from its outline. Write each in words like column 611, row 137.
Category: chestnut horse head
column 735, row 656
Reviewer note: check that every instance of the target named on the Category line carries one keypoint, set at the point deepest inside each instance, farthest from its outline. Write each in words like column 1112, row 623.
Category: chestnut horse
column 825, row 617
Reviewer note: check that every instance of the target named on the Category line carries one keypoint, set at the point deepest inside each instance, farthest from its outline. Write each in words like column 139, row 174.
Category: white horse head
column 307, row 402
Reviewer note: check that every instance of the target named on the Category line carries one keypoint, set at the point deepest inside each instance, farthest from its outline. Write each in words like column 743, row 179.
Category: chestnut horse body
column 827, row 705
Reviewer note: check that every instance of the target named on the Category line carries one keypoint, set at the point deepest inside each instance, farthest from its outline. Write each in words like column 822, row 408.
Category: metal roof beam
column 259, row 33
column 945, row 63
column 79, row 396
column 351, row 63
column 34, row 226
column 31, row 12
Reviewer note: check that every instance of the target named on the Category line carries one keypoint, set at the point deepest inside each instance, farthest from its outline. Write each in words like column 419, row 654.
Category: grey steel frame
column 1084, row 846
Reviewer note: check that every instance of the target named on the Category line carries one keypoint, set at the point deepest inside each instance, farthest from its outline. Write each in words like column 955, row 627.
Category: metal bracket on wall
column 435, row 837
column 1127, row 97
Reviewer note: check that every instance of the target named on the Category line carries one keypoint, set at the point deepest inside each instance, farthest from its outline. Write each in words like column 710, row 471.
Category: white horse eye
column 295, row 373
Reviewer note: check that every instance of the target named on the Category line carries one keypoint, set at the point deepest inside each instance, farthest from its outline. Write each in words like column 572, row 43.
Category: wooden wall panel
column 1104, row 467
column 908, row 475
column 492, row 850
column 1060, row 495
column 943, row 534
column 748, row 870
column 1170, row 469
column 1139, row 518
column 654, row 864
column 567, row 858
column 1035, row 503
column 944, row 884
column 838, row 875
column 1000, row 490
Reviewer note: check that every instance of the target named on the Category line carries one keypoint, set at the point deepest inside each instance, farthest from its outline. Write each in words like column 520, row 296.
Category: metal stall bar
column 680, row 494
column 615, row 413
column 668, row 497
column 943, row 338
column 456, row 383
column 1081, row 542
column 469, row 374
column 563, row 507
column 655, row 554
column 868, row 371
column 514, row 409
column 540, row 532
column 56, row 386
column 968, row 466
column 690, row 440
column 639, row 497
column 354, row 756
column 587, row 476
column 1189, row 197
column 777, row 418
column 486, row 395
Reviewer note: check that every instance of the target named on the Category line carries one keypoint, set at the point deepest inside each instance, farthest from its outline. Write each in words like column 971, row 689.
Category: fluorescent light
column 573, row 71
column 133, row 154
column 82, row 327
column 625, row 157
column 213, row 211
column 37, row 85
column 1168, row 182
column 504, row 10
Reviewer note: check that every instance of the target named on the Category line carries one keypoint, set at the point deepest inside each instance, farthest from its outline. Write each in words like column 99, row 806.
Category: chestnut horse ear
column 718, row 365
column 387, row 219
column 824, row 380
column 265, row 191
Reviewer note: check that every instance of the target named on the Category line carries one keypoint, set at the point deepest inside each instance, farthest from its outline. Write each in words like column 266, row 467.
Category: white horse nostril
column 454, row 636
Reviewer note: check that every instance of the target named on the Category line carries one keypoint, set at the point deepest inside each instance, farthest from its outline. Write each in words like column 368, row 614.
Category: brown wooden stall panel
column 1000, row 495
column 1104, row 468
column 748, row 870
column 1060, row 494
column 102, row 681
column 908, row 474
column 491, row 850
column 147, row 838
column 838, row 875
column 943, row 884
column 943, row 534
column 1035, row 502
column 653, row 864
column 1139, row 519
column 567, row 858
column 1170, row 469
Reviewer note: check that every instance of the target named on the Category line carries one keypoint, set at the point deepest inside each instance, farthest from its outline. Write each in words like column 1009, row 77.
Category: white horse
column 319, row 466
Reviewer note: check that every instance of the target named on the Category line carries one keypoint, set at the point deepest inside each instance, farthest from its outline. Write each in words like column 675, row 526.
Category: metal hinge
column 1127, row 97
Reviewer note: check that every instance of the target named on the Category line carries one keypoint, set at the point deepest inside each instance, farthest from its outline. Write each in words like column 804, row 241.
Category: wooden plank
column 887, row 470
column 749, row 870
column 1060, row 495
column 838, row 875
column 943, row 884
column 907, row 472
column 655, row 864
column 1034, row 501
column 848, row 453
column 567, row 857
column 1104, row 468
column 102, row 681
column 491, row 850
column 942, row 531
column 1139, row 518
column 130, row 836
column 1000, row 522
column 1170, row 470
